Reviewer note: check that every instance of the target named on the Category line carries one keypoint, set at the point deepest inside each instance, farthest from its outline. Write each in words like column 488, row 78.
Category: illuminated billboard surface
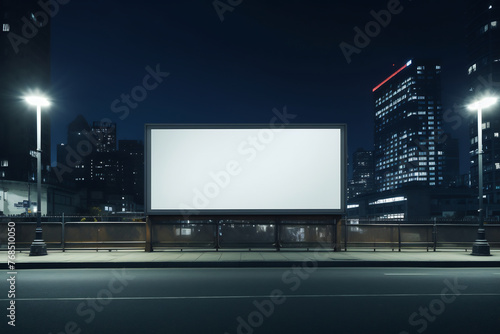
column 245, row 170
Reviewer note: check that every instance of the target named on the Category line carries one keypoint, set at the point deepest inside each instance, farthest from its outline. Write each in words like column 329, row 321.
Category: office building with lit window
column 131, row 159
column 414, row 203
column 483, row 78
column 25, row 68
column 362, row 181
column 411, row 147
column 110, row 179
column 105, row 133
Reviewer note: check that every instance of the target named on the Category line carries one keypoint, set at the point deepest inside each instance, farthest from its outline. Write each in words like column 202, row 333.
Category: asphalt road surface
column 304, row 299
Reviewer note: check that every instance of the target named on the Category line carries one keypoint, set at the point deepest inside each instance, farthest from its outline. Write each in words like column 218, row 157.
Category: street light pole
column 38, row 247
column 481, row 246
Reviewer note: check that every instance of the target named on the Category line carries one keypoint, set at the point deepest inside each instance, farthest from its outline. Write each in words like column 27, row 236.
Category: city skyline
column 171, row 166
column 186, row 65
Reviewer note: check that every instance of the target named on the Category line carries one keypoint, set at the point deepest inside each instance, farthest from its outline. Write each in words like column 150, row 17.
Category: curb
column 257, row 264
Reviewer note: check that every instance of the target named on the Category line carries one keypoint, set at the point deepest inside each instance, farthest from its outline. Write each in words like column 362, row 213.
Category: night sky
column 263, row 55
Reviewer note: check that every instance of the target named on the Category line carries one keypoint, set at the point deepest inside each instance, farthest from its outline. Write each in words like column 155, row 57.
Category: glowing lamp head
column 37, row 100
column 483, row 103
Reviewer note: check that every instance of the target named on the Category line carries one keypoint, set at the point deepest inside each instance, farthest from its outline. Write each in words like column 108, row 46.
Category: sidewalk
column 236, row 258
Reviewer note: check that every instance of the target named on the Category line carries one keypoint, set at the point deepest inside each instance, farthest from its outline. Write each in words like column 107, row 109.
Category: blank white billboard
column 245, row 169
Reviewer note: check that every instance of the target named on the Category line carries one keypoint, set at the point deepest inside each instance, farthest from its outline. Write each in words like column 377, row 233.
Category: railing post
column 62, row 233
column 149, row 237
column 434, row 234
column 97, row 244
column 217, row 235
column 399, row 237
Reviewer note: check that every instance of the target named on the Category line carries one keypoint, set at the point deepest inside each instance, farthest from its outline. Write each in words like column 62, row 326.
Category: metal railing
column 79, row 235
column 416, row 235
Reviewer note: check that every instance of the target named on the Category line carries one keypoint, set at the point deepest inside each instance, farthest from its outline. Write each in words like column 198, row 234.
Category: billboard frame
column 245, row 212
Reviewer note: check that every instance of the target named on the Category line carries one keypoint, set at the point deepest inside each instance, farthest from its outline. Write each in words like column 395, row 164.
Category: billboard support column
column 217, row 235
column 345, row 234
column 337, row 232
column 277, row 234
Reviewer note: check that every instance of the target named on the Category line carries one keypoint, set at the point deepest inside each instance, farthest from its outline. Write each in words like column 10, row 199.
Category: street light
column 38, row 247
column 481, row 246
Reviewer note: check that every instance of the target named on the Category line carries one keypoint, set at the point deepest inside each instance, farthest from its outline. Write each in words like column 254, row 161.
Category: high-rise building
column 105, row 133
column 104, row 161
column 110, row 179
column 73, row 154
column 483, row 78
column 410, row 143
column 25, row 69
column 78, row 131
column 132, row 173
column 362, row 181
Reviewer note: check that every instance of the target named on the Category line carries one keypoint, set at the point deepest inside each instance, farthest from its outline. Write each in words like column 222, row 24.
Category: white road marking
column 411, row 274
column 254, row 297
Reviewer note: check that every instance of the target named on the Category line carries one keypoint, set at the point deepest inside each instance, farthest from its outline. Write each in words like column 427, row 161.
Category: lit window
column 4, row 163
column 472, row 68
column 6, row 27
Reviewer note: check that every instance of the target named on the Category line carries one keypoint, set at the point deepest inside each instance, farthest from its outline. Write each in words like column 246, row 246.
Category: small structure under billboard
column 233, row 171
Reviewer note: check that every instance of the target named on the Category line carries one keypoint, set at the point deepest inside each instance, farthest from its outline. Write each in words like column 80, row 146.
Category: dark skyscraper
column 103, row 162
column 78, row 132
column 362, row 181
column 73, row 154
column 110, row 179
column 132, row 171
column 106, row 136
column 409, row 137
column 25, row 69
column 483, row 69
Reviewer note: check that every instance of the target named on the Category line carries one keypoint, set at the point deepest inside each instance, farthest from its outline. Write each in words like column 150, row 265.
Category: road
column 304, row 299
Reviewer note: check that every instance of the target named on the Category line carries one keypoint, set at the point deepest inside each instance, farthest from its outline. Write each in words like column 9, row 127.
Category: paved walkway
column 234, row 258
